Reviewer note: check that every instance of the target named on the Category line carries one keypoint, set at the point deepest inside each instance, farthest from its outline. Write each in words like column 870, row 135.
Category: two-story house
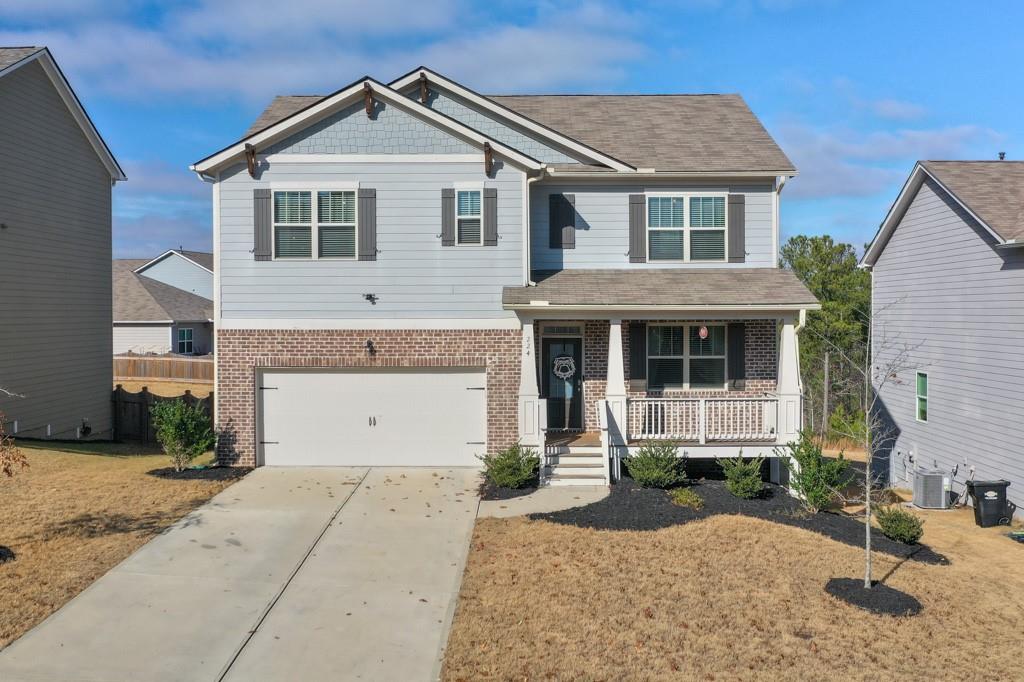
column 947, row 268
column 413, row 273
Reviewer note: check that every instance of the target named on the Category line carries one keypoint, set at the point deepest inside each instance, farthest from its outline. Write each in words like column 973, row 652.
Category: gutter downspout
column 527, row 228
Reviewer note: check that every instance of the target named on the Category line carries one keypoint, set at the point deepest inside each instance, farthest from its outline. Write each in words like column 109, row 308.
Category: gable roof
column 200, row 258
column 669, row 133
column 13, row 58
column 138, row 298
column 683, row 133
column 990, row 191
column 332, row 103
column 677, row 289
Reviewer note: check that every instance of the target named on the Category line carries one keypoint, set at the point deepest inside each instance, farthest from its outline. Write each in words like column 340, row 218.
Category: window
column 665, row 233
column 333, row 231
column 922, row 397
column 469, row 223
column 678, row 358
column 677, row 234
column 185, row 341
column 336, row 224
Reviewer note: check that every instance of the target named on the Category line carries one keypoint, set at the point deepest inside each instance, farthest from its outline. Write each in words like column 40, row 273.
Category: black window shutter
column 737, row 228
column 490, row 216
column 447, row 216
column 637, row 229
column 367, row 217
column 637, row 351
column 562, row 221
column 736, row 363
column 262, row 248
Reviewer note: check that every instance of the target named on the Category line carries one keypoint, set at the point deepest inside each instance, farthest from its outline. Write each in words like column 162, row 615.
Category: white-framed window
column 315, row 223
column 678, row 358
column 686, row 227
column 921, row 406
column 185, row 346
column 469, row 222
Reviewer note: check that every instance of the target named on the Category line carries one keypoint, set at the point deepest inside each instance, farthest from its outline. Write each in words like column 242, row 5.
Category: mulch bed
column 630, row 507
column 201, row 474
column 880, row 599
column 491, row 492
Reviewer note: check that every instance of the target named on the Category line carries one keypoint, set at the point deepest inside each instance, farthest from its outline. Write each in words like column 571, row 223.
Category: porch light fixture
column 372, row 298
column 370, row 348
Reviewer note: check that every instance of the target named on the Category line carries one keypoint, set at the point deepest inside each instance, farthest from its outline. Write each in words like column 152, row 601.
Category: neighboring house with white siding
column 164, row 305
column 56, row 177
column 948, row 284
column 414, row 273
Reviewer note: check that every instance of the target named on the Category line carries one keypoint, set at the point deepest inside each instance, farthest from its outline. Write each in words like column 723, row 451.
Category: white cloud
column 229, row 49
column 897, row 110
column 841, row 162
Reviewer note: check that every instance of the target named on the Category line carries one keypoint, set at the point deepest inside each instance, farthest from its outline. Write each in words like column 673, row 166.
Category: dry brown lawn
column 729, row 598
column 73, row 514
column 169, row 389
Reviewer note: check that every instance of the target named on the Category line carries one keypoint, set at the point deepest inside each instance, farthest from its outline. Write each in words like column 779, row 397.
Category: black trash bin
column 990, row 506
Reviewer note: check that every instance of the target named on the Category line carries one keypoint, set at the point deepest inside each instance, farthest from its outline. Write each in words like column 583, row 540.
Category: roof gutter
column 782, row 307
column 671, row 174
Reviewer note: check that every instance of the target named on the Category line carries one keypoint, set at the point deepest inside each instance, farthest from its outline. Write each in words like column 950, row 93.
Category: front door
column 563, row 382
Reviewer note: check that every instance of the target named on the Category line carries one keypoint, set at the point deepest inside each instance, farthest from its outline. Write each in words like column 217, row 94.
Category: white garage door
column 379, row 417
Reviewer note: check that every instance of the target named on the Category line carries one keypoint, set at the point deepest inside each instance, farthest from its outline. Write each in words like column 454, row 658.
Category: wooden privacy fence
column 132, row 420
column 130, row 368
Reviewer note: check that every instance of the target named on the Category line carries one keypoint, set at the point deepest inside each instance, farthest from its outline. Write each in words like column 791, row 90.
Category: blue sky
column 854, row 92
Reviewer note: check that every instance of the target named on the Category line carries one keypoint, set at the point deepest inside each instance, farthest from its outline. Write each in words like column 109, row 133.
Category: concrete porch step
column 564, row 460
column 567, row 466
column 574, row 450
column 557, row 479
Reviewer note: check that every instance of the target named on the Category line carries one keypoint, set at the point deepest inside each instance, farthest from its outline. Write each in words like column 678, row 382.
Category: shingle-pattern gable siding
column 602, row 234
column 458, row 109
column 943, row 290
column 55, row 263
column 390, row 131
column 413, row 275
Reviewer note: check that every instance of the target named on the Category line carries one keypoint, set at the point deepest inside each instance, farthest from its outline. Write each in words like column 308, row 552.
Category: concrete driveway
column 290, row 574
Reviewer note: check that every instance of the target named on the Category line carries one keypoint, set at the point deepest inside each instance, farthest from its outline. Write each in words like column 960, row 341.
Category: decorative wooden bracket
column 368, row 99
column 488, row 159
column 424, row 88
column 250, row 160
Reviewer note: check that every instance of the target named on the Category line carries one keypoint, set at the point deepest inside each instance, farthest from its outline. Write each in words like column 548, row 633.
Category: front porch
column 593, row 390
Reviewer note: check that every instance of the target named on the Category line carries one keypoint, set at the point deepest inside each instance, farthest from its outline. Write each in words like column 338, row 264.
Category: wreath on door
column 563, row 367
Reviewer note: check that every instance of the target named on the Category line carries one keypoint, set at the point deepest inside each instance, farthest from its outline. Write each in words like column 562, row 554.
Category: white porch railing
column 703, row 420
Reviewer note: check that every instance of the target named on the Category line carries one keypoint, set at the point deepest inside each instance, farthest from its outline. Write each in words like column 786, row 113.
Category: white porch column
column 615, row 393
column 531, row 408
column 789, row 390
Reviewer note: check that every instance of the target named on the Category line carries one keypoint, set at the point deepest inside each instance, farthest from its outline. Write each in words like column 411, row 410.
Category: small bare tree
column 11, row 458
column 882, row 361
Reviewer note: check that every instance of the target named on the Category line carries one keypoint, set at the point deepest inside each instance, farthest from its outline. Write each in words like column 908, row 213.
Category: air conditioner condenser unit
column 931, row 488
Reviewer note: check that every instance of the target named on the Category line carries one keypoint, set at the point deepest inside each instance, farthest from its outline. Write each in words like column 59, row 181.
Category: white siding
column 941, row 289
column 180, row 272
column 137, row 338
column 55, row 264
column 602, row 226
column 413, row 276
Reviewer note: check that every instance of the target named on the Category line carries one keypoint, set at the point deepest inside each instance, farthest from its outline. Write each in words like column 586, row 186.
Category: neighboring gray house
column 56, row 176
column 948, row 284
column 164, row 305
column 413, row 273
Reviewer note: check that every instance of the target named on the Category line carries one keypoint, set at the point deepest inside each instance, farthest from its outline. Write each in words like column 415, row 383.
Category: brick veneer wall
column 241, row 352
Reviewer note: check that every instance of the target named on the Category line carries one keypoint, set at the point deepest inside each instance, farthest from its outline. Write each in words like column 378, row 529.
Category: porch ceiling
column 677, row 288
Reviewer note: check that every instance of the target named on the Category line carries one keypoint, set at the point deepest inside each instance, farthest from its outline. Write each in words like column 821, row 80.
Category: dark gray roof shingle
column 689, row 133
column 138, row 298
column 12, row 55
column 202, row 257
column 665, row 287
column 993, row 190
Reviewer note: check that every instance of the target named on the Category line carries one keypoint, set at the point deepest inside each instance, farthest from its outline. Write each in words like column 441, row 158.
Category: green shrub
column 900, row 525
column 742, row 477
column 686, row 497
column 846, row 425
column 656, row 465
column 815, row 479
column 182, row 430
column 513, row 467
